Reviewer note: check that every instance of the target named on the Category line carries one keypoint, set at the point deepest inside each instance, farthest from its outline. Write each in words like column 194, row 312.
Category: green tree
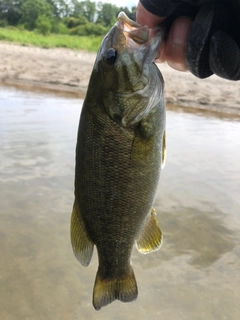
column 130, row 13
column 107, row 13
column 60, row 8
column 10, row 10
column 85, row 8
column 32, row 9
column 72, row 22
column 89, row 29
column 43, row 25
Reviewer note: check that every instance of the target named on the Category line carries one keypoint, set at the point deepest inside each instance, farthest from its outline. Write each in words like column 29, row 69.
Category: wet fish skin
column 119, row 153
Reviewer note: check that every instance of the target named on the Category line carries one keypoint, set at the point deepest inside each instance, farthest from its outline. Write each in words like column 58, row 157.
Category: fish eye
column 110, row 56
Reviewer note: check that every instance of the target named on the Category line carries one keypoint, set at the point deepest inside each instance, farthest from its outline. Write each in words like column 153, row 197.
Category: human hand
column 203, row 38
column 173, row 48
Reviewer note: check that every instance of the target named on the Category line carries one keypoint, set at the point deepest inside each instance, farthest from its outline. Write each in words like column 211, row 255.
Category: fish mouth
column 132, row 29
column 138, row 33
column 140, row 37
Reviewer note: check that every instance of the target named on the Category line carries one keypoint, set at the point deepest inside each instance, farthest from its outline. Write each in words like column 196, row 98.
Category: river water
column 195, row 275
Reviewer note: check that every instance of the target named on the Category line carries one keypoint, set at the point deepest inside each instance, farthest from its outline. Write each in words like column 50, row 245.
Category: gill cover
column 131, row 83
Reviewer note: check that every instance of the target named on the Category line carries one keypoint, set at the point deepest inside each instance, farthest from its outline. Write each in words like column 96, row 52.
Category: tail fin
column 106, row 290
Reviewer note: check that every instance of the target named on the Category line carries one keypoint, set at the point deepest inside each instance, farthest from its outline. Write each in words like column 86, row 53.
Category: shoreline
column 67, row 72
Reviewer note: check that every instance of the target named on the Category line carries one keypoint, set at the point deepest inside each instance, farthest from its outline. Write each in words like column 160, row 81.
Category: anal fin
column 81, row 243
column 151, row 238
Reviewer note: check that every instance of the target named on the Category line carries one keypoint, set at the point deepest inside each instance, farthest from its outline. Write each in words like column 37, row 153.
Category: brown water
column 196, row 274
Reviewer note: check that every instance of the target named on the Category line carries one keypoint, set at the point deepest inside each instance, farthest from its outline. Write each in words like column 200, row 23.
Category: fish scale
column 119, row 155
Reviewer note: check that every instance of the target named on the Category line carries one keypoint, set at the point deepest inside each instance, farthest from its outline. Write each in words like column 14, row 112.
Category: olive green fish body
column 118, row 162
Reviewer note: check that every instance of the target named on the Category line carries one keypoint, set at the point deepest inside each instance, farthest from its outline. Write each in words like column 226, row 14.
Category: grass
column 23, row 37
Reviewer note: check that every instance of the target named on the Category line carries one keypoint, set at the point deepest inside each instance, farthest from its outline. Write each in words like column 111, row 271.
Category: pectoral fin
column 151, row 237
column 81, row 243
column 164, row 150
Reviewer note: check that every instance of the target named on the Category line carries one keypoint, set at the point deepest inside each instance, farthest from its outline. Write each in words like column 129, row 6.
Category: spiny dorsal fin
column 164, row 150
column 106, row 290
column 151, row 238
column 81, row 243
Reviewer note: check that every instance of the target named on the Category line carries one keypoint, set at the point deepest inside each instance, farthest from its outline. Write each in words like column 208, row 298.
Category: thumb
column 144, row 17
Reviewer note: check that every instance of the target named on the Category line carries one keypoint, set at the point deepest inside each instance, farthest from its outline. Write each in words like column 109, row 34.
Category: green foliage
column 85, row 8
column 32, row 9
column 130, row 13
column 60, row 8
column 77, row 17
column 14, row 15
column 107, row 14
column 72, row 22
column 11, row 28
column 59, row 27
column 43, row 25
column 20, row 27
column 89, row 29
column 88, row 43
column 3, row 23
column 10, row 10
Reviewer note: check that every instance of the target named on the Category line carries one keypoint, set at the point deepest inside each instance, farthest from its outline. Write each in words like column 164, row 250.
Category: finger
column 210, row 18
column 160, row 58
column 224, row 58
column 144, row 17
column 176, row 43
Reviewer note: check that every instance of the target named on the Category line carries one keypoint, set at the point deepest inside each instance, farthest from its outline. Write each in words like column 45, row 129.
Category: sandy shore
column 68, row 71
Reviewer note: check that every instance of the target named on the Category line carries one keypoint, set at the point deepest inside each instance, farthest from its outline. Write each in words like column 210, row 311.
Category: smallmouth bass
column 120, row 150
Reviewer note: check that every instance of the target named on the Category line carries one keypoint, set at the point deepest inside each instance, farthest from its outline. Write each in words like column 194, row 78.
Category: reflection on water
column 196, row 273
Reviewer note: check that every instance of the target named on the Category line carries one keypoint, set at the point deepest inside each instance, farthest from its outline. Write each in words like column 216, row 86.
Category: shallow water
column 194, row 276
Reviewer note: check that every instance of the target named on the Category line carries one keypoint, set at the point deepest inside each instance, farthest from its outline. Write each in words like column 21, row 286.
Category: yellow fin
column 81, row 243
column 164, row 150
column 106, row 290
column 151, row 238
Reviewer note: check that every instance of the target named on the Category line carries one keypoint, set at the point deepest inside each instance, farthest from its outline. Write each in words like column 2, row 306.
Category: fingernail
column 180, row 30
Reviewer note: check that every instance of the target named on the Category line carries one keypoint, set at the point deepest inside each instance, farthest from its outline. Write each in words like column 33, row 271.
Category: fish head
column 130, row 82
